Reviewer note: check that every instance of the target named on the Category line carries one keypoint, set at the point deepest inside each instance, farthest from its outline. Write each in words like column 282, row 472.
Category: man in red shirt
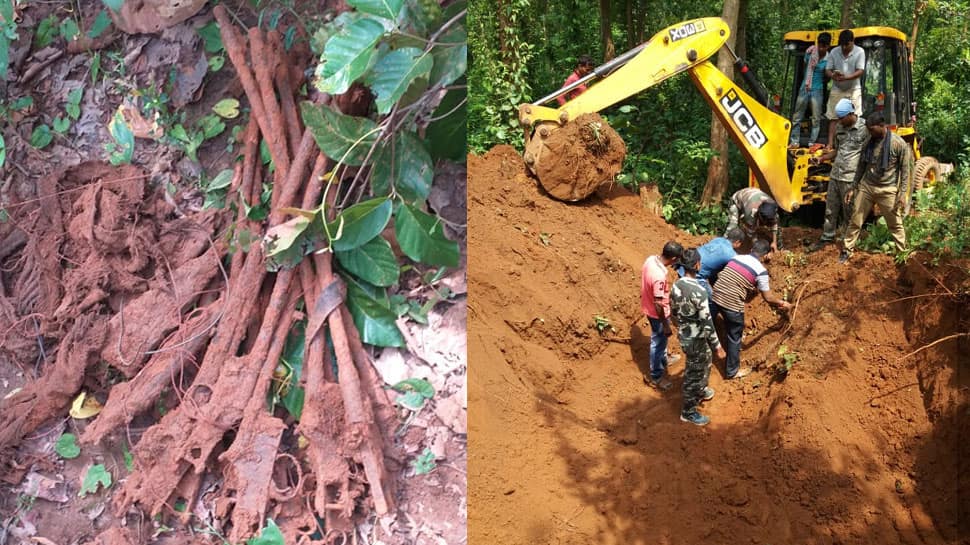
column 583, row 66
column 655, row 303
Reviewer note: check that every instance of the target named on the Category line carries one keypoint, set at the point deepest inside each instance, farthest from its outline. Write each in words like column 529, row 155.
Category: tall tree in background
column 917, row 11
column 609, row 50
column 717, row 169
column 846, row 20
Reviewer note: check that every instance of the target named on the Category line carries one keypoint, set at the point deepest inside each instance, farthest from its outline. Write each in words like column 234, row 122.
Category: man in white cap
column 850, row 138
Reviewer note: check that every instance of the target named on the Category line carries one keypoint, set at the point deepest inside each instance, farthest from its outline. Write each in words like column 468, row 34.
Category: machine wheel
column 925, row 174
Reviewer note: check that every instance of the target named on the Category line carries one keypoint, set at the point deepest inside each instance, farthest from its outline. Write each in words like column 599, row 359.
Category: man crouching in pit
column 695, row 330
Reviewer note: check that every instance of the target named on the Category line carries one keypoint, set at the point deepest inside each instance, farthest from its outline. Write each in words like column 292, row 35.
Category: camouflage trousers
column 696, row 371
column 837, row 212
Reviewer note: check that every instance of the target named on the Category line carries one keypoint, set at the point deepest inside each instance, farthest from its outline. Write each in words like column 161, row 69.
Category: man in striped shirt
column 735, row 286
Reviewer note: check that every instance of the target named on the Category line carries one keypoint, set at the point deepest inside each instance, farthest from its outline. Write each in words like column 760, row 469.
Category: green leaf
column 360, row 223
column 424, row 463
column 419, row 385
column 216, row 63
column 211, row 39
column 129, row 459
column 222, row 180
column 388, row 9
column 47, row 30
column 411, row 400
column 61, row 124
column 348, row 55
column 293, row 356
column 41, row 137
column 373, row 262
column 424, row 16
column 227, row 108
column 211, row 127
column 69, row 29
column 394, row 72
column 3, row 151
column 447, row 134
column 270, row 535
column 95, row 65
column 66, row 446
column 123, row 137
column 337, row 134
column 74, row 102
column 404, row 165
column 288, row 38
column 100, row 24
column 96, row 475
column 22, row 103
column 374, row 319
column 114, row 5
column 4, row 53
column 422, row 238
column 450, row 61
column 283, row 236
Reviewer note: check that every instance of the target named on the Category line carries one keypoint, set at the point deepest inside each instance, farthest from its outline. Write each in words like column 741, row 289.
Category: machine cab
column 887, row 83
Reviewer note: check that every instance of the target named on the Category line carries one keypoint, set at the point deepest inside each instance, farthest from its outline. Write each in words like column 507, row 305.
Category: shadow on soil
column 665, row 481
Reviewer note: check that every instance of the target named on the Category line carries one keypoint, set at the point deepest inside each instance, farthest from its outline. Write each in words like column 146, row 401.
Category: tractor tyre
column 925, row 174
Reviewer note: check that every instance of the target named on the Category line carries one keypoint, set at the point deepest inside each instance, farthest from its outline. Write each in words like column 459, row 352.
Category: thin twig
column 935, row 293
column 934, row 343
column 458, row 16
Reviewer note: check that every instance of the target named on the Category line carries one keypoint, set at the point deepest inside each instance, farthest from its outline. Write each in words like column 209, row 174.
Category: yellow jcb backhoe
column 761, row 134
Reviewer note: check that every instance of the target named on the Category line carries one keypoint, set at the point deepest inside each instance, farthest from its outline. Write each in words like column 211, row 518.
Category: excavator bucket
column 671, row 51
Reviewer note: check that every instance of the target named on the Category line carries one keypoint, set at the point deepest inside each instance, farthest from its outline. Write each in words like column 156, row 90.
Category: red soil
column 859, row 444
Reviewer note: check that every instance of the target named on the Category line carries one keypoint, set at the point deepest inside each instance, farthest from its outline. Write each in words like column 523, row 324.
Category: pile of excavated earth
column 862, row 441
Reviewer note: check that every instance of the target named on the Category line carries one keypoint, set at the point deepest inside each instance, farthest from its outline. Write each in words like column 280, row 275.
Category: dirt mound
column 579, row 157
column 839, row 450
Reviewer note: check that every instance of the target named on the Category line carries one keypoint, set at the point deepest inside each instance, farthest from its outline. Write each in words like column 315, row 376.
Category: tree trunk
column 609, row 50
column 846, row 20
column 631, row 38
column 741, row 38
column 717, row 171
column 917, row 11
column 641, row 15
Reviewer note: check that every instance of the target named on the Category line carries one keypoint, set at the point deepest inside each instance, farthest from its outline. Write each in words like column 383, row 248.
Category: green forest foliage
column 521, row 50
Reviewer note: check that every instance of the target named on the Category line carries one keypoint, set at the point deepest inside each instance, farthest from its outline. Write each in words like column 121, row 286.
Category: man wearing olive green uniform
column 850, row 137
column 883, row 178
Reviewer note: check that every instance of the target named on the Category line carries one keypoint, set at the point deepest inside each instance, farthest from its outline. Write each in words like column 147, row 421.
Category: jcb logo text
column 686, row 30
column 743, row 119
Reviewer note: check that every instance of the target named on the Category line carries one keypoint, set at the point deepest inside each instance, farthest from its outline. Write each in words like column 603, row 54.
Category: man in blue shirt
column 812, row 90
column 714, row 255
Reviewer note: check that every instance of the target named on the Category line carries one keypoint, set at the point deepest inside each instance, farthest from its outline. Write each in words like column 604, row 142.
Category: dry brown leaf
column 141, row 127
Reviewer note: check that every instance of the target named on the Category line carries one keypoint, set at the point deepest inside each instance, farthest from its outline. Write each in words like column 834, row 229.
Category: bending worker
column 755, row 211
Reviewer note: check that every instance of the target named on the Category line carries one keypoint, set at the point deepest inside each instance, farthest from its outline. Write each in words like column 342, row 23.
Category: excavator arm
column 761, row 134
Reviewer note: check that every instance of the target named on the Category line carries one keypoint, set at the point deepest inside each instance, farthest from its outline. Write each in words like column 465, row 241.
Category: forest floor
column 860, row 443
column 102, row 266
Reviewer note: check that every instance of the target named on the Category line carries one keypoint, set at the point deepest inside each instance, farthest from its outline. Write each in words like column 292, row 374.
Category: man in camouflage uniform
column 756, row 213
column 884, row 178
column 850, row 137
column 695, row 330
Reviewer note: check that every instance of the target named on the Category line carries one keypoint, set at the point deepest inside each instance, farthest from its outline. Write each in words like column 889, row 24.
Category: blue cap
column 844, row 108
